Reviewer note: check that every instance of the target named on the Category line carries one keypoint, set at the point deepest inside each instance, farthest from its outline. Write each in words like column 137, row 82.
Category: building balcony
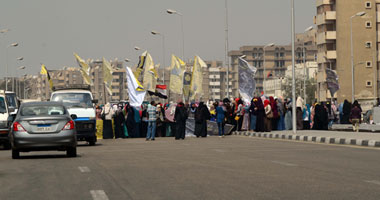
column 331, row 35
column 331, row 55
column 326, row 37
column 327, row 17
column 330, row 15
column 323, row 2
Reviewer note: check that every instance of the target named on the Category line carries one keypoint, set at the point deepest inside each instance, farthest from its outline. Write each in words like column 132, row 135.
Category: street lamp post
column 294, row 124
column 170, row 11
column 264, row 84
column 359, row 14
column 6, row 79
column 163, row 53
column 226, row 60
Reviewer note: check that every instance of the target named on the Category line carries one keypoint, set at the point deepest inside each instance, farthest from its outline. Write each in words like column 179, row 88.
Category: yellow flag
column 44, row 71
column 107, row 75
column 86, row 77
column 177, row 69
column 84, row 69
column 150, row 74
column 197, row 77
column 140, row 65
column 107, row 72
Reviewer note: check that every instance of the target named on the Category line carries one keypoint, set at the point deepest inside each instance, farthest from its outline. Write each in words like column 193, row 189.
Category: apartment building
column 276, row 58
column 119, row 82
column 333, row 20
column 39, row 85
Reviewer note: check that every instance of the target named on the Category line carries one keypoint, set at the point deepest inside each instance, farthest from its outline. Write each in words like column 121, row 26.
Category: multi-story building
column 119, row 82
column 39, row 85
column 334, row 31
column 275, row 58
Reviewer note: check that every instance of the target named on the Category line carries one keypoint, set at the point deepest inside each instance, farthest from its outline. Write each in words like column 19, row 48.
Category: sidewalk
column 329, row 137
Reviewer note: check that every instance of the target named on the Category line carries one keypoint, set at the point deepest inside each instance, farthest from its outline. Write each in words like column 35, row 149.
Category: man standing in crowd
column 152, row 110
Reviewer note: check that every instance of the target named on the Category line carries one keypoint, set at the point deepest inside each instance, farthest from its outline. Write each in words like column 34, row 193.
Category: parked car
column 40, row 126
column 5, row 120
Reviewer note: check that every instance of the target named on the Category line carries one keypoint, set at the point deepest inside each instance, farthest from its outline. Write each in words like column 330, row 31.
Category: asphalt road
column 195, row 168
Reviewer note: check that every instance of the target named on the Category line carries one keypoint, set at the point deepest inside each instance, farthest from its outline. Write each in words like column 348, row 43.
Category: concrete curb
column 315, row 139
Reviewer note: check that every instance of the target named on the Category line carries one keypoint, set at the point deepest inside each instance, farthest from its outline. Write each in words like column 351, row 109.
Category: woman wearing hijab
column 281, row 114
column 299, row 109
column 119, row 122
column 288, row 115
column 253, row 114
column 169, row 115
column 245, row 125
column 306, row 117
column 239, row 112
column 346, row 112
column 130, row 121
column 180, row 117
column 202, row 114
column 325, row 116
column 268, row 116
column 260, row 116
column 275, row 118
column 220, row 118
column 107, row 122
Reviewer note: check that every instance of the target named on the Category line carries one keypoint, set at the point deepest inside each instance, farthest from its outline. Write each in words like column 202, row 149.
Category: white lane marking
column 84, row 169
column 98, row 195
column 284, row 163
column 373, row 182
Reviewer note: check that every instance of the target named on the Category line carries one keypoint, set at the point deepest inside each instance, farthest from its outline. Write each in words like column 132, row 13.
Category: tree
column 311, row 89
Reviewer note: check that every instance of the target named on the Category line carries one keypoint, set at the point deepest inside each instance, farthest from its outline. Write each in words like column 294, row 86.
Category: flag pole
column 104, row 94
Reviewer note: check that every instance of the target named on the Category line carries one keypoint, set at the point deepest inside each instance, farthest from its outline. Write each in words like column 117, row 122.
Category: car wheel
column 92, row 141
column 7, row 145
column 71, row 152
column 15, row 154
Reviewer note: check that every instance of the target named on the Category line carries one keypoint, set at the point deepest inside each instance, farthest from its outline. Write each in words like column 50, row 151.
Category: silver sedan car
column 41, row 126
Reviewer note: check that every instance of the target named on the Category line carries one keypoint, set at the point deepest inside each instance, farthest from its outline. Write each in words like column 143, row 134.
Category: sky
column 50, row 31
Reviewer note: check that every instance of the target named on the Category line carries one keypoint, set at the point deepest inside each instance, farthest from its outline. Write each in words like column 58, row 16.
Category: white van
column 78, row 100
column 5, row 120
column 12, row 101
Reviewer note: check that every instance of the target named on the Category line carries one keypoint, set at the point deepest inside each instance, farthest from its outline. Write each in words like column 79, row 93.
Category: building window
column 368, row 44
column 368, row 24
column 368, row 83
column 368, row 64
column 368, row 4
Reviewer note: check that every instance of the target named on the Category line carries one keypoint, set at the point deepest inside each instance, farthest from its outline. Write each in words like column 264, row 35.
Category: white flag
column 136, row 96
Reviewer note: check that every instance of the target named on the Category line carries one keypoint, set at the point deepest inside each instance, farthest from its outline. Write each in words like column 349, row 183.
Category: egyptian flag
column 160, row 92
column 270, row 74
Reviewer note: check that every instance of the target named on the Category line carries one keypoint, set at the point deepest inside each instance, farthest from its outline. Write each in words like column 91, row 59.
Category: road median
column 327, row 137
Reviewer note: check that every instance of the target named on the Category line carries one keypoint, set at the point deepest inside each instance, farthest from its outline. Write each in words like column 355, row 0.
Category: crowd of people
column 262, row 114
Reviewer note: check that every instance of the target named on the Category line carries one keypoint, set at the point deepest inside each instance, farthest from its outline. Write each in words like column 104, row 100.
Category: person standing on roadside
column 180, row 117
column 107, row 114
column 220, row 118
column 202, row 114
column 355, row 116
column 151, row 118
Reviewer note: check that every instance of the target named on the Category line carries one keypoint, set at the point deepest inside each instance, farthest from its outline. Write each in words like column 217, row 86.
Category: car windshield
column 11, row 100
column 3, row 108
column 37, row 110
column 73, row 100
